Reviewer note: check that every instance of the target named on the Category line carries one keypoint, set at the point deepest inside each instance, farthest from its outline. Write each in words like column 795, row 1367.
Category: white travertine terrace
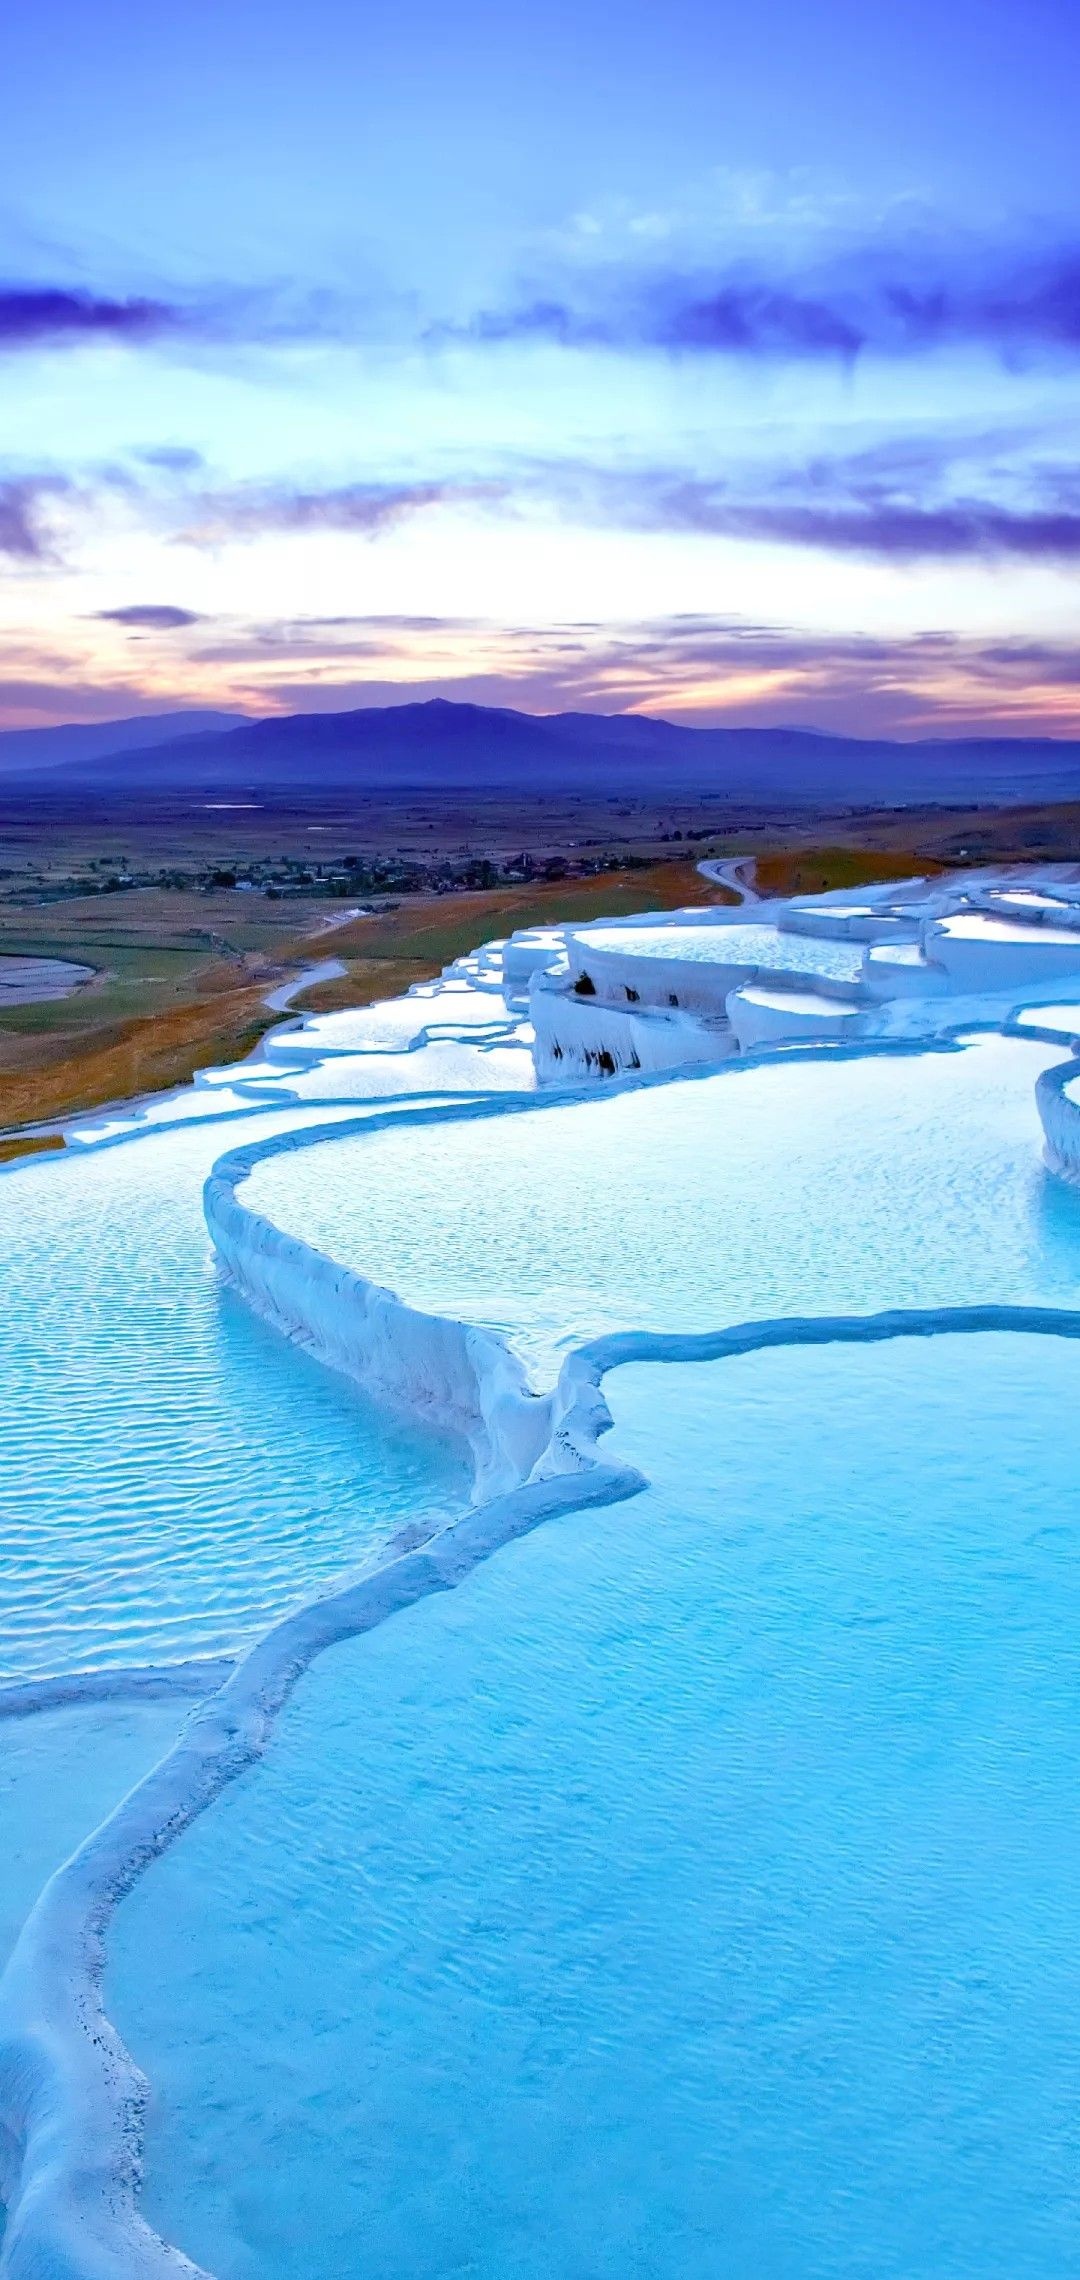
column 958, row 956
column 1058, row 1101
column 846, row 922
column 575, row 1037
column 902, row 970
column 762, row 1016
column 1061, row 908
column 1050, row 1021
column 697, row 986
column 939, row 957
column 979, row 952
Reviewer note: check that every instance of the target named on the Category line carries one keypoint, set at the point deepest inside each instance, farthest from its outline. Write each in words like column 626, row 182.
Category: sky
column 707, row 360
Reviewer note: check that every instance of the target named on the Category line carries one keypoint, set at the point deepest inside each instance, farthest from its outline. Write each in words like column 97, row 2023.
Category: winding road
column 733, row 873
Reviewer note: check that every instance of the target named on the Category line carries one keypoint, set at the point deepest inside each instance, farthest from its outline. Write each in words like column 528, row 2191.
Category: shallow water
column 793, row 1000
column 1065, row 1017
column 1025, row 898
column 454, row 1009
column 30, row 981
column 794, row 1187
column 61, row 1772
column 897, row 953
column 690, row 1892
column 977, row 927
column 826, row 908
column 733, row 945
column 174, row 1475
column 435, row 1068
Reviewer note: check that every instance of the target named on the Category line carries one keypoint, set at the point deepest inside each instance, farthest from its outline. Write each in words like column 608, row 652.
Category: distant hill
column 25, row 749
column 492, row 751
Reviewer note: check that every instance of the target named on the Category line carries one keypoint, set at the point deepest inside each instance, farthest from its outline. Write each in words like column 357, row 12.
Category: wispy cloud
column 750, row 319
column 171, row 458
column 1008, row 495
column 785, row 295
column 928, row 497
column 25, row 534
column 921, row 497
column 37, row 314
column 32, row 316
column 370, row 508
column 168, row 501
column 692, row 667
column 874, row 526
column 151, row 617
column 920, row 294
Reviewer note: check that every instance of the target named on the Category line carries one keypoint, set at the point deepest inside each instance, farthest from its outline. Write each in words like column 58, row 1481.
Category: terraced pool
column 682, row 1885
column 174, row 1478
column 690, row 1891
column 783, row 1188
column 751, row 945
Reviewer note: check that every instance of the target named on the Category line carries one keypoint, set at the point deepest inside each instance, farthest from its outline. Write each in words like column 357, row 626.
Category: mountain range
column 26, row 750
column 494, row 751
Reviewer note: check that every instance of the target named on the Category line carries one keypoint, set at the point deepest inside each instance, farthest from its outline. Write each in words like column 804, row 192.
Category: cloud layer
column 921, row 295
column 370, row 508
column 150, row 617
column 909, row 499
column 35, row 316
column 691, row 667
column 25, row 537
column 678, row 450
column 934, row 288
column 839, row 508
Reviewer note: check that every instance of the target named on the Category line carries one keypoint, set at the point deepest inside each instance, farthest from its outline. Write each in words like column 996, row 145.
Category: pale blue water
column 734, row 946
column 977, row 927
column 174, row 1476
column 798, row 1187
column 61, row 1772
column 435, row 1069
column 1064, row 1018
column 456, row 1010
column 691, row 1893
column 898, row 953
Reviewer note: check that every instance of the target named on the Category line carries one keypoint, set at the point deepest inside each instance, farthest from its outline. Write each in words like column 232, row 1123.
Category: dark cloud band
column 908, row 300
column 154, row 617
column 40, row 316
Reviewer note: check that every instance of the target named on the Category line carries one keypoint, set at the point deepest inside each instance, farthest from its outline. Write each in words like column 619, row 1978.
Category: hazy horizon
column 220, row 719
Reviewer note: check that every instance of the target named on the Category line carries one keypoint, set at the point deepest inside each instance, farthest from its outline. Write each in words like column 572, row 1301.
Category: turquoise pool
column 751, row 945
column 826, row 1184
column 174, row 1476
column 690, row 1892
column 689, row 1889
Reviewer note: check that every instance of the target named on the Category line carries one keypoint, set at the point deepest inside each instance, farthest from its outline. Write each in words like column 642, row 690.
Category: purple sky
column 716, row 362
